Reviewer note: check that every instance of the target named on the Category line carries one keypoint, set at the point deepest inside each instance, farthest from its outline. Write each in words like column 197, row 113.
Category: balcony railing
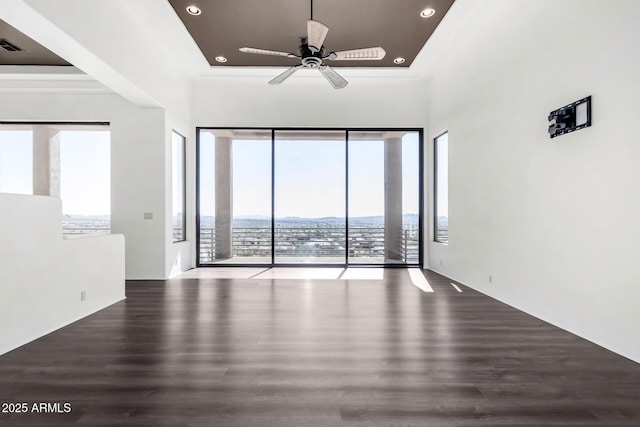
column 295, row 242
column 305, row 242
column 69, row 230
column 72, row 229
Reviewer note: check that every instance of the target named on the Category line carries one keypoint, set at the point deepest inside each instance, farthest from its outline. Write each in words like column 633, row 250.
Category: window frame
column 435, row 188
column 422, row 215
column 183, row 165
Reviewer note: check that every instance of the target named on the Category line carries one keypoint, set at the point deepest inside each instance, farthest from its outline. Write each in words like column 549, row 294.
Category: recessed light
column 427, row 13
column 398, row 60
column 193, row 10
column 221, row 59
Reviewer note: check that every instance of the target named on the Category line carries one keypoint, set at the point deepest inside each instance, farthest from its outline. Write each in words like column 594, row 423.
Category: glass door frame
column 421, row 223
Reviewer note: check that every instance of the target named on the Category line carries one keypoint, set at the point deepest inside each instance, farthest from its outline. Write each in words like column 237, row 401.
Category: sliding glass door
column 384, row 197
column 300, row 196
column 234, row 196
column 309, row 197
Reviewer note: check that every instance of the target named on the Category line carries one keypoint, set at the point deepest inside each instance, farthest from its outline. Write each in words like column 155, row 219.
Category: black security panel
column 574, row 116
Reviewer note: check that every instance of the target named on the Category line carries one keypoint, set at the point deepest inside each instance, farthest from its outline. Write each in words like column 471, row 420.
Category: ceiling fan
column 312, row 55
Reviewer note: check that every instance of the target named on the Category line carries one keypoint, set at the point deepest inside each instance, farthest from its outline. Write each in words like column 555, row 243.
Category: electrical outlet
column 490, row 279
column 441, row 262
column 83, row 295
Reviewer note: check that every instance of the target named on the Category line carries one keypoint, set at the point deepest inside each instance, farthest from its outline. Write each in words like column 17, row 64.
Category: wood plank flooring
column 198, row 351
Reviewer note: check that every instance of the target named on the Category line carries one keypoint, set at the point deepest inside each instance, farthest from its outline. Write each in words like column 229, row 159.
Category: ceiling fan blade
column 316, row 33
column 284, row 76
column 366, row 54
column 266, row 52
column 336, row 80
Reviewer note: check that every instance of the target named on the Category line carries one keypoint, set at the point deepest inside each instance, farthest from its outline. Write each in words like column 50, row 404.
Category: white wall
column 554, row 222
column 137, row 187
column 305, row 102
column 140, row 144
column 42, row 275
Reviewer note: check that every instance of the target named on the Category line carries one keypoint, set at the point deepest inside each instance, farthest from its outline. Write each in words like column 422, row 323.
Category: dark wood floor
column 270, row 352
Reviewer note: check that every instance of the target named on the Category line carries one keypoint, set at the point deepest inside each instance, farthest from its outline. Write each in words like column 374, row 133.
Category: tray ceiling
column 224, row 26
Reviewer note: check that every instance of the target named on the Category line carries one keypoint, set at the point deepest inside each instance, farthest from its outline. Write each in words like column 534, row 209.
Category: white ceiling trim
column 52, row 86
column 356, row 76
column 26, row 19
column 39, row 72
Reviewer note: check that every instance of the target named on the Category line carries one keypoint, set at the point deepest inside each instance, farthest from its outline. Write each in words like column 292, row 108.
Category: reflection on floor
column 299, row 260
column 415, row 275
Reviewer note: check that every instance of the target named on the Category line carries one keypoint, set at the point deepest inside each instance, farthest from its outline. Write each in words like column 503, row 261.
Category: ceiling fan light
column 428, row 12
column 399, row 60
column 192, row 9
column 221, row 59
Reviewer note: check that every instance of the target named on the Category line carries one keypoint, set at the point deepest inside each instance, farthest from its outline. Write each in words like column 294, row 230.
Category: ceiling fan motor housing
column 311, row 62
column 310, row 59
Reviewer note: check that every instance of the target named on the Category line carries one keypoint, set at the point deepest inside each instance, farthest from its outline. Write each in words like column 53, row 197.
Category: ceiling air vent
column 8, row 46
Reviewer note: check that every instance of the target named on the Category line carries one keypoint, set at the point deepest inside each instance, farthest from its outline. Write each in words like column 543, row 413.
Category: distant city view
column 84, row 224
column 442, row 230
column 323, row 238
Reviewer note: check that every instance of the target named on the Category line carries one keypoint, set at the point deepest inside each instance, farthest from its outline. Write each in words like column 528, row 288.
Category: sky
column 177, row 172
column 442, row 174
column 85, row 187
column 309, row 179
column 15, row 162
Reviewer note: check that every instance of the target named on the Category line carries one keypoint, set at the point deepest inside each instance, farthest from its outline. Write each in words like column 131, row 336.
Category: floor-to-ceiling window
column 306, row 196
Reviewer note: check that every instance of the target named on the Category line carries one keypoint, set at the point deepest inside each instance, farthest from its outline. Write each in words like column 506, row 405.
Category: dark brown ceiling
column 227, row 25
column 32, row 53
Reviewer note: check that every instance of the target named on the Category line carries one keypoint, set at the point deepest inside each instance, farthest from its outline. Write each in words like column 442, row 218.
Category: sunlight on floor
column 305, row 273
column 223, row 273
column 301, row 273
column 286, row 273
column 363, row 274
column 418, row 280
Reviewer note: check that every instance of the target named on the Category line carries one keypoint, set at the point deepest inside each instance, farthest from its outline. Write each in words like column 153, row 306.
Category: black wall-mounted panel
column 571, row 117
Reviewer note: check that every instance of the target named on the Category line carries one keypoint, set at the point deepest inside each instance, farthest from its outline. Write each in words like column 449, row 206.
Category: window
column 70, row 161
column 85, row 181
column 178, row 143
column 441, row 188
column 309, row 196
